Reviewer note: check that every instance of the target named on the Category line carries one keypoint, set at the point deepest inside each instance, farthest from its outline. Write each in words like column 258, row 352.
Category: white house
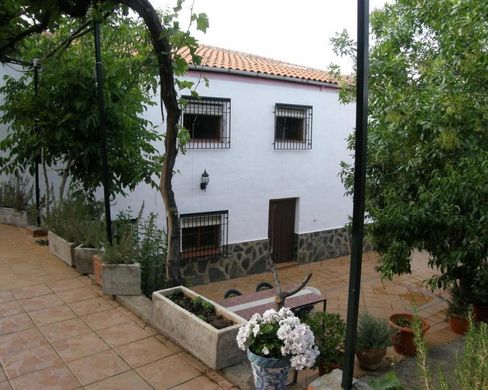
column 270, row 135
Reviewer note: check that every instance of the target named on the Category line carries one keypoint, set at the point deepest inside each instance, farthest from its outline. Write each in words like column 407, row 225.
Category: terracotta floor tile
column 168, row 372
column 3, row 376
column 15, row 323
column 76, row 347
column 6, row 296
column 105, row 319
column 78, row 294
column 65, row 329
column 65, row 284
column 90, row 306
column 32, row 291
column 5, row 386
column 10, row 308
column 168, row 343
column 57, row 377
column 29, row 361
column 14, row 343
column 199, row 383
column 52, row 315
column 128, row 380
column 97, row 367
column 39, row 303
column 143, row 351
column 123, row 333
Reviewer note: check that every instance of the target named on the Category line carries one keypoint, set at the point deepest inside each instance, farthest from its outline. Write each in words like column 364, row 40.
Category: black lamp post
column 204, row 180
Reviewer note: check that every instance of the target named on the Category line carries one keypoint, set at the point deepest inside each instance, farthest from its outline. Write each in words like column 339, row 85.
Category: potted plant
column 330, row 331
column 121, row 275
column 373, row 337
column 14, row 202
column 276, row 341
column 403, row 339
column 181, row 314
column 480, row 295
column 458, row 311
column 90, row 245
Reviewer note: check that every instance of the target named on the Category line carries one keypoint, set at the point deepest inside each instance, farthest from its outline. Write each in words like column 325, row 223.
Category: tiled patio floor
column 59, row 332
column 381, row 298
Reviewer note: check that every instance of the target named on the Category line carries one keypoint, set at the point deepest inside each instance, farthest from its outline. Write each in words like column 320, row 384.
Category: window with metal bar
column 208, row 122
column 204, row 235
column 293, row 127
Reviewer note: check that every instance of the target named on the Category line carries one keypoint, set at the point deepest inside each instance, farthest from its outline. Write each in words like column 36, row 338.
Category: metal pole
column 359, row 191
column 103, row 133
column 38, row 156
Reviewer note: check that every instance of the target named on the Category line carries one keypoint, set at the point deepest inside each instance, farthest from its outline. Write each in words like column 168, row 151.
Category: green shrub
column 15, row 194
column 121, row 251
column 330, row 331
column 373, row 332
column 457, row 304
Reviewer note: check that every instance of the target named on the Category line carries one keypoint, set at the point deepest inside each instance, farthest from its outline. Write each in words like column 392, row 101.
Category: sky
column 295, row 31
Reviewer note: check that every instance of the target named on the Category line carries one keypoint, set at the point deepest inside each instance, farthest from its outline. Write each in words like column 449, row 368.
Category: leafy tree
column 26, row 17
column 66, row 109
column 427, row 173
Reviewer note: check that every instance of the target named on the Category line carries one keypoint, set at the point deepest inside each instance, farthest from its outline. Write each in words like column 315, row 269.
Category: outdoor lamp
column 204, row 180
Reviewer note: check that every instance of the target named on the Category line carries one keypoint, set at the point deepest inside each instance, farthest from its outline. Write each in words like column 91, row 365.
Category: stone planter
column 217, row 348
column 61, row 248
column 83, row 259
column 121, row 279
column 13, row 217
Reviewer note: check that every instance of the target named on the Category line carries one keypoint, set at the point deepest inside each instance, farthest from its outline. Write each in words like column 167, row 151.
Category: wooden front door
column 281, row 228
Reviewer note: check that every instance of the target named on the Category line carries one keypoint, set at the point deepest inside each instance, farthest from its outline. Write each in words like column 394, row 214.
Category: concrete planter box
column 121, row 279
column 61, row 248
column 13, row 217
column 83, row 259
column 217, row 348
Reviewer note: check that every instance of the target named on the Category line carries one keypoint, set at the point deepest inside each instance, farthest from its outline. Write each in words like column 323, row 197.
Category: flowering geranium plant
column 279, row 335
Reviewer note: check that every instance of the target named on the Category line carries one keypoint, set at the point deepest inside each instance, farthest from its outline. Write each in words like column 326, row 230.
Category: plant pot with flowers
column 275, row 342
column 403, row 339
column 330, row 331
column 458, row 311
column 373, row 337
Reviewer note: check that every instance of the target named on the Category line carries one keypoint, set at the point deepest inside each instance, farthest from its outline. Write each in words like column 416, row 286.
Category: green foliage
column 389, row 381
column 76, row 220
column 372, row 332
column 472, row 367
column 266, row 339
column 428, row 144
column 457, row 303
column 66, row 109
column 329, row 330
column 152, row 247
column 201, row 304
column 480, row 287
column 121, row 251
column 15, row 194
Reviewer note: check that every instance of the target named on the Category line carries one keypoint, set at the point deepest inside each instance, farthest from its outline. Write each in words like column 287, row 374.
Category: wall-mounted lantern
column 204, row 180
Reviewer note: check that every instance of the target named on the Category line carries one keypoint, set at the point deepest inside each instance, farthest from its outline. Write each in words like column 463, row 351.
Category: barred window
column 208, row 122
column 204, row 235
column 293, row 127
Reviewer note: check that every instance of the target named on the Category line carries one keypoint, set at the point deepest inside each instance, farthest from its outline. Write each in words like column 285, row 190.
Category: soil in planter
column 202, row 309
column 404, row 322
column 42, row 242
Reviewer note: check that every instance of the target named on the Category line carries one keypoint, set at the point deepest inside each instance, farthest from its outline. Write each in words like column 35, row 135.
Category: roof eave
column 260, row 75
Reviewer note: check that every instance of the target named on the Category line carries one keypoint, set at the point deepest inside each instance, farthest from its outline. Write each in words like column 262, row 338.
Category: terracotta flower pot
column 459, row 324
column 97, row 269
column 370, row 359
column 404, row 338
column 480, row 312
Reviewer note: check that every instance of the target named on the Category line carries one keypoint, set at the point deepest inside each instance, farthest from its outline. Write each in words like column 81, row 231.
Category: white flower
column 265, row 351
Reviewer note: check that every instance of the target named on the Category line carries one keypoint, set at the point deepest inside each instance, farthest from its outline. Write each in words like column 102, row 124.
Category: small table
column 258, row 302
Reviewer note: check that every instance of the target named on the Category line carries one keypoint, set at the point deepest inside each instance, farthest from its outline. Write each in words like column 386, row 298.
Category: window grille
column 293, row 127
column 204, row 235
column 208, row 122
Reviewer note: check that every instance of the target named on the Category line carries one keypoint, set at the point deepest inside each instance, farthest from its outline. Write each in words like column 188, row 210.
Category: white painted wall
column 245, row 177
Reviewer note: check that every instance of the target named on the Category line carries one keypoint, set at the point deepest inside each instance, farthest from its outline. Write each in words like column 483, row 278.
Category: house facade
column 270, row 136
column 259, row 175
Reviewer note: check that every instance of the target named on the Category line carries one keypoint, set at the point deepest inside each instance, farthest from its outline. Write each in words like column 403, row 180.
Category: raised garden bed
column 83, row 259
column 13, row 217
column 61, row 248
column 216, row 347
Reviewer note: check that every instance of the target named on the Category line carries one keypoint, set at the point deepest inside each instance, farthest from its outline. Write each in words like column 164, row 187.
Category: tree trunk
column 169, row 101
column 47, row 200
column 64, row 179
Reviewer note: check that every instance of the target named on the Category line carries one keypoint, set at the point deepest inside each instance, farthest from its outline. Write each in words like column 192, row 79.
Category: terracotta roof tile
column 214, row 57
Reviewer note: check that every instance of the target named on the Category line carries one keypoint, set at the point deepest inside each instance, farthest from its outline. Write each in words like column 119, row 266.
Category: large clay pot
column 403, row 339
column 269, row 374
column 370, row 359
column 459, row 324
